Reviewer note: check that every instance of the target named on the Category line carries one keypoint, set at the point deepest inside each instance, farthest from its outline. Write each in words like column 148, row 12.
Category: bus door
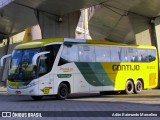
column 45, row 78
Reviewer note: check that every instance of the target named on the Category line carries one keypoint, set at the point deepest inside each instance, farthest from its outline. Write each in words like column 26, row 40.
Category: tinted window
column 69, row 54
column 141, row 55
column 64, row 53
column 103, row 54
column 151, row 55
column 115, row 54
column 132, row 54
column 86, row 53
column 50, row 58
column 123, row 54
column 72, row 53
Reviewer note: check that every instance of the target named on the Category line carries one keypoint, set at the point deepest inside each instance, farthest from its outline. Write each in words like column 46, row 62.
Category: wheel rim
column 139, row 86
column 129, row 87
column 63, row 92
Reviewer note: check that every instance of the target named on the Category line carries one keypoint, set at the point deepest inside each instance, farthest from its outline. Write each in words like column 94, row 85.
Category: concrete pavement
column 148, row 100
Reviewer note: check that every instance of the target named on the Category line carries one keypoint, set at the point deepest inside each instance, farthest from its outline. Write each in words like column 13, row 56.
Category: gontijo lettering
column 125, row 67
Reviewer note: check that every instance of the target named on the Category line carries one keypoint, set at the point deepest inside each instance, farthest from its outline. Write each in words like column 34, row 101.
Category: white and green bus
column 62, row 66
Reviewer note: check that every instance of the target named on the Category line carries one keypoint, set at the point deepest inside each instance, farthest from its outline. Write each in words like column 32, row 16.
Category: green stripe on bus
column 101, row 74
column 94, row 74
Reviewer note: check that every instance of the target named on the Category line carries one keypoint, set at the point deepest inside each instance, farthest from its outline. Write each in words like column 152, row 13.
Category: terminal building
column 34, row 33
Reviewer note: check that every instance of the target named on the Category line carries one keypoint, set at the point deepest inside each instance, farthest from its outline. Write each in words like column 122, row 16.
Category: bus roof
column 38, row 43
column 45, row 42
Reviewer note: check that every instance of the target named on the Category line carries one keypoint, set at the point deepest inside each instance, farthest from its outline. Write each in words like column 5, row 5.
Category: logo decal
column 66, row 69
column 64, row 75
column 46, row 90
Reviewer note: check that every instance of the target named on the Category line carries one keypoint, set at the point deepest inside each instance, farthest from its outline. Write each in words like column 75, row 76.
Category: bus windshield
column 21, row 68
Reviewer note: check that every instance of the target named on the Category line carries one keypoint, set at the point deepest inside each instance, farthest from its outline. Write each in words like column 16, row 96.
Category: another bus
column 62, row 66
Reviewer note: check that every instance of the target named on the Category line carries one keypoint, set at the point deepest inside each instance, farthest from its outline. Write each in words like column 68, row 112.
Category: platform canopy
column 16, row 15
column 122, row 20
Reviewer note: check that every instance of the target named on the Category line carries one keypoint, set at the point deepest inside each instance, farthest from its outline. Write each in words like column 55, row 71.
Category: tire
column 129, row 88
column 109, row 92
column 37, row 97
column 138, row 87
column 103, row 93
column 63, row 91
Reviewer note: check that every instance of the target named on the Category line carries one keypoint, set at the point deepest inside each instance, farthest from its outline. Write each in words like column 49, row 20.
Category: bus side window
column 151, row 55
column 115, row 54
column 69, row 54
column 132, row 54
column 64, row 56
column 123, row 54
column 73, row 53
column 52, row 55
column 43, row 66
column 86, row 53
column 142, row 53
column 102, row 54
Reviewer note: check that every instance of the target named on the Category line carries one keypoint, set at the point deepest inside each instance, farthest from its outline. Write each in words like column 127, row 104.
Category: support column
column 6, row 49
column 5, row 67
column 142, row 29
column 53, row 26
column 157, row 32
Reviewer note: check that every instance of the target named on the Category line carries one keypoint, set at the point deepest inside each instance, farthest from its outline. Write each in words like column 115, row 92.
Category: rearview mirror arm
column 35, row 57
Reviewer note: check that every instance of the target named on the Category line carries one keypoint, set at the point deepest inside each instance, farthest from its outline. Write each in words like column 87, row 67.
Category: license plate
column 18, row 92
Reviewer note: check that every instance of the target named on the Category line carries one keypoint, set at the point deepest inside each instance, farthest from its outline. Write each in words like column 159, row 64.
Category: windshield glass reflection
column 21, row 68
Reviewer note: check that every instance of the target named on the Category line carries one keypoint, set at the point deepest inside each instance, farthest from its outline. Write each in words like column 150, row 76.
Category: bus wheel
column 37, row 97
column 129, row 87
column 62, row 91
column 138, row 87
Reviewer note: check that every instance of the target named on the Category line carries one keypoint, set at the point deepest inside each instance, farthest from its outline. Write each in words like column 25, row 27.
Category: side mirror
column 35, row 57
column 2, row 59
